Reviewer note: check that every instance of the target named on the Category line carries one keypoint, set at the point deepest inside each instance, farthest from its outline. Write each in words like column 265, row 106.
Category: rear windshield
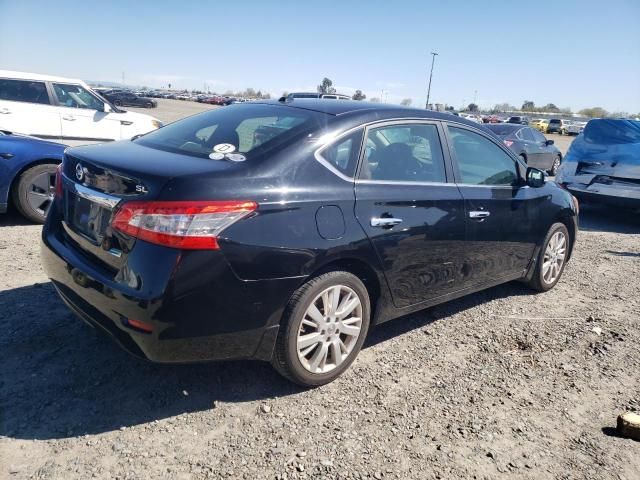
column 610, row 132
column 553, row 120
column 246, row 129
column 502, row 130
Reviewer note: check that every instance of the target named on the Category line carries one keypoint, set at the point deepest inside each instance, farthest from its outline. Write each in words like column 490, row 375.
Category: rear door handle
column 479, row 214
column 7, row 156
column 70, row 118
column 385, row 221
column 5, row 110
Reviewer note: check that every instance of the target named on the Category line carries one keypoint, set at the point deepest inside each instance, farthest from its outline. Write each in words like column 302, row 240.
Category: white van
column 64, row 110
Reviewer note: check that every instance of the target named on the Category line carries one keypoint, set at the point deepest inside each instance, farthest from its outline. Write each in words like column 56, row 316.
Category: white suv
column 64, row 110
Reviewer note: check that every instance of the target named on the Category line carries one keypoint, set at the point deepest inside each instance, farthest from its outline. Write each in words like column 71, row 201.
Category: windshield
column 502, row 130
column 609, row 132
column 249, row 130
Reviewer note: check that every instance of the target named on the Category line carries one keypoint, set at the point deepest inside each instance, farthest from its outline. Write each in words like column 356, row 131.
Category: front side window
column 23, row 91
column 75, row 96
column 527, row 134
column 251, row 129
column 404, row 153
column 538, row 137
column 480, row 161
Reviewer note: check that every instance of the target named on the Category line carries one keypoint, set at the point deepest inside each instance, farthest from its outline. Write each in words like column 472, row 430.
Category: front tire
column 551, row 259
column 556, row 165
column 323, row 328
column 34, row 192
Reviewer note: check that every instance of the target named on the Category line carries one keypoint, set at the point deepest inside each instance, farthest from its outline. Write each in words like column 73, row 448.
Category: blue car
column 27, row 174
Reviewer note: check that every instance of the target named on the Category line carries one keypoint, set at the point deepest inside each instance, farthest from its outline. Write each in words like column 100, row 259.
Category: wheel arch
column 361, row 269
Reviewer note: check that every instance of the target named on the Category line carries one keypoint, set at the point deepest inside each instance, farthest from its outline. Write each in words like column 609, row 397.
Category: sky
column 573, row 53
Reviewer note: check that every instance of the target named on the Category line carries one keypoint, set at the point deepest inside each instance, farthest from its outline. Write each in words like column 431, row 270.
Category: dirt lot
column 500, row 384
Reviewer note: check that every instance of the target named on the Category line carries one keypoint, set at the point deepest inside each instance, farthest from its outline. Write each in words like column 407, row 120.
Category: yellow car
column 541, row 125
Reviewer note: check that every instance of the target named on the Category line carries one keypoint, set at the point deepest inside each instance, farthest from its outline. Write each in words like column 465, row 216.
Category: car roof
column 353, row 107
column 36, row 76
column 512, row 126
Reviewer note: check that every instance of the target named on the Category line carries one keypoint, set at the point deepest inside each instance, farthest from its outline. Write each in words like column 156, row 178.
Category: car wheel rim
column 41, row 192
column 554, row 257
column 330, row 329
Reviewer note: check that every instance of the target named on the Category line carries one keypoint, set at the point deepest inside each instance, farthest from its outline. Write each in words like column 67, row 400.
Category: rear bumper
column 202, row 312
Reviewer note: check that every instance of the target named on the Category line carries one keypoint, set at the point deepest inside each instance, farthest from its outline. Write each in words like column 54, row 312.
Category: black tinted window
column 480, row 161
column 249, row 129
column 407, row 153
column 343, row 154
column 23, row 91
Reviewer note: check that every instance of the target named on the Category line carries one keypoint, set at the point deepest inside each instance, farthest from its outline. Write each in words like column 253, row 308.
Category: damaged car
column 603, row 164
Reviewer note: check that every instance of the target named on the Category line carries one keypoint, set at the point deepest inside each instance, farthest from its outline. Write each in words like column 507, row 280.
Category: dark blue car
column 282, row 230
column 27, row 174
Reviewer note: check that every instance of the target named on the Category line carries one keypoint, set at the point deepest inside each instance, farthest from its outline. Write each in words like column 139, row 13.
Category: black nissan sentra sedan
column 283, row 230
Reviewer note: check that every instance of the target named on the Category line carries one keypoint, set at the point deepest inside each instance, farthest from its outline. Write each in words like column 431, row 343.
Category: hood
column 608, row 148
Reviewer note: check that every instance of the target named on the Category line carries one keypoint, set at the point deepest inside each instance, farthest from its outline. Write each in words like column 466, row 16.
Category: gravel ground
column 500, row 384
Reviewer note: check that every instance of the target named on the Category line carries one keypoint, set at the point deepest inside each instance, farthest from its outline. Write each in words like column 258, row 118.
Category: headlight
column 157, row 123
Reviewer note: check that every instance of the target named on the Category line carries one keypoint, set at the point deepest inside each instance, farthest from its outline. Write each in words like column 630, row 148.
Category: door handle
column 479, row 214
column 7, row 156
column 70, row 118
column 5, row 110
column 385, row 221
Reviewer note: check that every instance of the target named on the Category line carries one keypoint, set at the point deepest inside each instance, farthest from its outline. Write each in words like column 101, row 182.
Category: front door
column 412, row 216
column 82, row 116
column 501, row 213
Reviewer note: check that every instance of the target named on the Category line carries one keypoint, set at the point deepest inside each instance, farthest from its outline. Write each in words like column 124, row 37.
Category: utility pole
column 433, row 60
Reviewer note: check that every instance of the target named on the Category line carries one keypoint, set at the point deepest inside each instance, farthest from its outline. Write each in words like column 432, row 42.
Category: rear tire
column 316, row 342
column 33, row 194
column 551, row 259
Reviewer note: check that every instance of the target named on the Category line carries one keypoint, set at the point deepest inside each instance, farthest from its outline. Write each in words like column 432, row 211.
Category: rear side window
column 250, row 130
column 23, row 91
column 343, row 154
column 403, row 153
column 480, row 161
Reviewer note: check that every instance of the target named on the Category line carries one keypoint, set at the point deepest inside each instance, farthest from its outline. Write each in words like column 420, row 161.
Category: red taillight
column 508, row 143
column 58, row 193
column 185, row 225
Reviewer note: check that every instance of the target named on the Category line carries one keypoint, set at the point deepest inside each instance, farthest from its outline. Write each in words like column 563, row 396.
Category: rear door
column 25, row 107
column 500, row 212
column 411, row 211
column 82, row 116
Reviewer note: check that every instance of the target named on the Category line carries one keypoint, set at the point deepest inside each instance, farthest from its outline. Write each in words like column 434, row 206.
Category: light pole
column 433, row 60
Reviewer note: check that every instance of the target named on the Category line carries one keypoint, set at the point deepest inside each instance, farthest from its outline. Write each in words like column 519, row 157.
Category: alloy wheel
column 554, row 257
column 330, row 329
column 41, row 192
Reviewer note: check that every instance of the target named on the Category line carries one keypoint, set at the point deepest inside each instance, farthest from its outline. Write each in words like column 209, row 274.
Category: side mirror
column 106, row 108
column 549, row 142
column 535, row 177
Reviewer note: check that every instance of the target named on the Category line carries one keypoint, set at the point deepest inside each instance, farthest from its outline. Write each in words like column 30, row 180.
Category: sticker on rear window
column 236, row 157
column 224, row 148
column 216, row 156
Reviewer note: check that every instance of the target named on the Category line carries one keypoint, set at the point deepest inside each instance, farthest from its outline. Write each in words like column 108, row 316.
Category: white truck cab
column 64, row 110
